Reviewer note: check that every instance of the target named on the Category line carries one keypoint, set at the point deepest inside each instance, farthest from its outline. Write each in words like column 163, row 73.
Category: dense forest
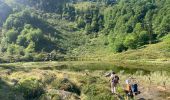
column 49, row 29
column 5, row 10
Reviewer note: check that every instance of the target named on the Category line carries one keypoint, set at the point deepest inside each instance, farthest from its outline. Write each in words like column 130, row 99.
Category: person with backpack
column 131, row 88
column 114, row 79
column 128, row 89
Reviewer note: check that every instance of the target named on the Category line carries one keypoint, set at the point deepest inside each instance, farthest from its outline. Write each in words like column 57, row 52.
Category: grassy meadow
column 78, row 80
column 62, row 49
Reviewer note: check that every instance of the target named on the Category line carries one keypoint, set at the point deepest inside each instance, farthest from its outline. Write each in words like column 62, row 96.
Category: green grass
column 83, row 80
column 159, row 52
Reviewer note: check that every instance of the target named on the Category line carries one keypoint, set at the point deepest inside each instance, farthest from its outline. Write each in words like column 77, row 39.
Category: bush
column 166, row 38
column 143, row 38
column 96, row 92
column 80, row 23
column 15, row 49
column 131, row 41
column 31, row 88
column 11, row 35
column 66, row 85
column 50, row 97
column 119, row 47
column 28, row 57
column 39, row 57
column 88, row 80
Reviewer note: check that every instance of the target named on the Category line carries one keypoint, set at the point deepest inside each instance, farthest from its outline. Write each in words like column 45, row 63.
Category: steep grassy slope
column 159, row 51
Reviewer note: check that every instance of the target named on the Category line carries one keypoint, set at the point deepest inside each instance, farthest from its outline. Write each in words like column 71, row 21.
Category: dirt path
column 154, row 93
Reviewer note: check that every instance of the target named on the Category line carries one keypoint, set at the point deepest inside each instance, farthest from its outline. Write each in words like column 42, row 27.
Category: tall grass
column 85, row 80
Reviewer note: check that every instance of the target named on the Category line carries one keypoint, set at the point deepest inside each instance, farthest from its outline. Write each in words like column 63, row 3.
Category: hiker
column 128, row 89
column 114, row 79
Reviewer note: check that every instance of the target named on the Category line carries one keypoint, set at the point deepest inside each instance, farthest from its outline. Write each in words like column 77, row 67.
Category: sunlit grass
column 85, row 80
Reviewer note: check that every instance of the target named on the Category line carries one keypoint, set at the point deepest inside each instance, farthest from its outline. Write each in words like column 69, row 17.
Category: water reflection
column 98, row 66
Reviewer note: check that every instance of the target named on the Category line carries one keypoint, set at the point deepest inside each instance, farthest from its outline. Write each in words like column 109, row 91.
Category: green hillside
column 5, row 10
column 67, row 49
column 50, row 30
column 159, row 51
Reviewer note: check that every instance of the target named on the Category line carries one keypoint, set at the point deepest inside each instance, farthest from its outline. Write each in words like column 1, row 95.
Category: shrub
column 66, row 85
column 143, row 38
column 31, row 88
column 28, row 57
column 50, row 97
column 39, row 57
column 88, row 80
column 96, row 92
column 131, row 41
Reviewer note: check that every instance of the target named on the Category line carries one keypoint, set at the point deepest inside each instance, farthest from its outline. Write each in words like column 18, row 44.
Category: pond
column 124, row 67
column 93, row 66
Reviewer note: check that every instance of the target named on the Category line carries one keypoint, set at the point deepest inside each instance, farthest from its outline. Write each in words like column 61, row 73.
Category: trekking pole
column 164, row 83
column 150, row 82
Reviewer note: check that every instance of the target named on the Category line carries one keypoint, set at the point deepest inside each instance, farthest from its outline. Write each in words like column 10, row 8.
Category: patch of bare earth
column 154, row 93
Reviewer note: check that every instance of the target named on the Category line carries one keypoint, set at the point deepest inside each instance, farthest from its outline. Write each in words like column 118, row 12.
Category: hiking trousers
column 113, row 87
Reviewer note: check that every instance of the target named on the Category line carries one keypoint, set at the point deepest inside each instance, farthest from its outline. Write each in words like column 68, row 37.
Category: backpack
column 116, row 79
column 134, row 88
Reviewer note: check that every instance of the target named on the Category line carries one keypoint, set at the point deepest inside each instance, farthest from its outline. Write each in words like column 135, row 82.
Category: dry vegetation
column 56, row 80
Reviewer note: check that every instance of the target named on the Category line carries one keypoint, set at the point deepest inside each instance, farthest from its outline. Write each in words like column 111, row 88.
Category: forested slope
column 50, row 29
column 5, row 10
